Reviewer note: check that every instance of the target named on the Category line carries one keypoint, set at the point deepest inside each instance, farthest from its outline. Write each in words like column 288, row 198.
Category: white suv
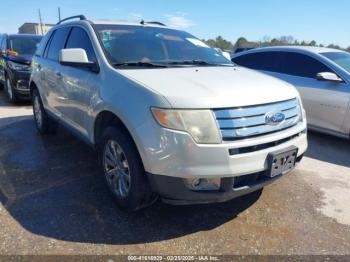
column 168, row 115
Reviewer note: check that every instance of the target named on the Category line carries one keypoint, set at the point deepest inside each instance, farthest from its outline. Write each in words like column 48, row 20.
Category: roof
column 111, row 22
column 310, row 49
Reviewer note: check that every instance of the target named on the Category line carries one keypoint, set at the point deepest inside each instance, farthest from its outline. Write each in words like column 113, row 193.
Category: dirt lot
column 53, row 201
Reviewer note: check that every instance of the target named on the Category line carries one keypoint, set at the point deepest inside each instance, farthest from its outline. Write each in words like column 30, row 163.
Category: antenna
column 41, row 23
column 59, row 14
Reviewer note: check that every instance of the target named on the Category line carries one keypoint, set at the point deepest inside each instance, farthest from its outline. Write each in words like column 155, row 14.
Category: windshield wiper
column 196, row 62
column 139, row 64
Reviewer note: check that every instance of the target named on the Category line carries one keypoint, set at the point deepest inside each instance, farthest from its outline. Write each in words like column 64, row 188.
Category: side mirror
column 77, row 57
column 328, row 76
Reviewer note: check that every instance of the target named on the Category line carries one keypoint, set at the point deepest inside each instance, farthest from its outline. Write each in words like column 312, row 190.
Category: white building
column 34, row 28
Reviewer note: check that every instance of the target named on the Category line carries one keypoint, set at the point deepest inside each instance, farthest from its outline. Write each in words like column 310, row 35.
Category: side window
column 78, row 38
column 43, row 43
column 266, row 61
column 301, row 65
column 57, row 43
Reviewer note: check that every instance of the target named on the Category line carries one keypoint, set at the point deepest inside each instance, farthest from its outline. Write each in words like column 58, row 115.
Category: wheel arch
column 106, row 119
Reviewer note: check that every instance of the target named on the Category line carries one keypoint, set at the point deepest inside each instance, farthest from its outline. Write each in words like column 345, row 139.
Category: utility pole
column 41, row 23
column 59, row 14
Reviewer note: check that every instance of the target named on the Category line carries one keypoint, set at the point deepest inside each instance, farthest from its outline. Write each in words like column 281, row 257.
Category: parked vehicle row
column 321, row 75
column 168, row 115
column 16, row 52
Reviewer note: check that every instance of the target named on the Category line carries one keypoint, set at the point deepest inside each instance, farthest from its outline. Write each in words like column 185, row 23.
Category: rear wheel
column 123, row 170
column 11, row 95
column 43, row 123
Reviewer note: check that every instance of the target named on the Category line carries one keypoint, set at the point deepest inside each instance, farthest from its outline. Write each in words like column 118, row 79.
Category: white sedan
column 321, row 75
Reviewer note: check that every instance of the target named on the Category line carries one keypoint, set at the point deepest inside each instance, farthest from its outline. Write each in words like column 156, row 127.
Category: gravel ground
column 53, row 201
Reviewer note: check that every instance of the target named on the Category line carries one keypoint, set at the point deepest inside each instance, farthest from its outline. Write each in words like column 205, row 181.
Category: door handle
column 58, row 74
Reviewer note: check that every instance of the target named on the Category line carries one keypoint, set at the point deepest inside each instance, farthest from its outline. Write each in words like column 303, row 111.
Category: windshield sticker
column 197, row 42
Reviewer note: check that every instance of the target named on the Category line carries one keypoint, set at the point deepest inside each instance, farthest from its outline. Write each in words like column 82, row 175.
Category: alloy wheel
column 116, row 169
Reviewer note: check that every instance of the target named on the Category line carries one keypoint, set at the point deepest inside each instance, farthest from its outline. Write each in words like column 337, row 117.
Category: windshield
column 127, row 45
column 24, row 45
column 340, row 58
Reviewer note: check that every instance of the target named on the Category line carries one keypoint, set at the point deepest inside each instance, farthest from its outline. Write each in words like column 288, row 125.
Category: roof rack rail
column 152, row 22
column 81, row 17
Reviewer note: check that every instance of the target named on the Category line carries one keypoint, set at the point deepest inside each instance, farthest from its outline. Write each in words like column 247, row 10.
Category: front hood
column 212, row 87
column 22, row 59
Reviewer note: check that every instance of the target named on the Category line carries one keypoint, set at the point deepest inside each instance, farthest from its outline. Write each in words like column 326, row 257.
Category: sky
column 325, row 21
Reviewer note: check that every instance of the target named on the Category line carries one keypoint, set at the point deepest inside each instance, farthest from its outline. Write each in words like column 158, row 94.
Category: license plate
column 282, row 162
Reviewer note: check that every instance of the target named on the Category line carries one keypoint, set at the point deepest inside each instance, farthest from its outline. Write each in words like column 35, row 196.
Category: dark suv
column 16, row 52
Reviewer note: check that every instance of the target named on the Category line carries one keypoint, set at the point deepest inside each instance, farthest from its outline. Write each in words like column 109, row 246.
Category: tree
column 242, row 42
column 333, row 46
column 313, row 43
column 219, row 42
column 286, row 40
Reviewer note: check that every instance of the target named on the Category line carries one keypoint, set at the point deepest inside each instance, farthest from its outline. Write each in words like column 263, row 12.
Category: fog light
column 203, row 184
column 22, row 85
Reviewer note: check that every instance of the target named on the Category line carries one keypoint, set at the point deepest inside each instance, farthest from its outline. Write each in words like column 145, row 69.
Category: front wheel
column 43, row 123
column 123, row 170
column 11, row 95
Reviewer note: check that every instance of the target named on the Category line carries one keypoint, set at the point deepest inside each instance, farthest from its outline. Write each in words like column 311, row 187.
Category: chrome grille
column 243, row 122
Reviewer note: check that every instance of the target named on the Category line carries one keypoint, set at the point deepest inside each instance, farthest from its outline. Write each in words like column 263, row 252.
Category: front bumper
column 174, row 191
column 20, row 83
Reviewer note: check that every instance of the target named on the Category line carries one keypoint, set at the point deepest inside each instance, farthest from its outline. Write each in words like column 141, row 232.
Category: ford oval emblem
column 274, row 118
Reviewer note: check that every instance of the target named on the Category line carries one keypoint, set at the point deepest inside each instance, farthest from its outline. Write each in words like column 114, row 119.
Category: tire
column 123, row 170
column 44, row 124
column 11, row 94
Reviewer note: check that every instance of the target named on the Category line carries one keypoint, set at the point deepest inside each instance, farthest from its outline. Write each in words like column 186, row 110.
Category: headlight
column 200, row 124
column 18, row 67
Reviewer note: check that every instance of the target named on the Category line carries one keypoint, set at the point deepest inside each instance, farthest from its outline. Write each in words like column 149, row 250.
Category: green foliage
column 219, row 42
column 242, row 42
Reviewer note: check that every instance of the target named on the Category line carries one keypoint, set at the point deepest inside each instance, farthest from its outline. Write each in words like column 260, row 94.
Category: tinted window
column 266, row 61
column 78, row 38
column 301, row 65
column 24, row 45
column 57, row 43
column 283, row 62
